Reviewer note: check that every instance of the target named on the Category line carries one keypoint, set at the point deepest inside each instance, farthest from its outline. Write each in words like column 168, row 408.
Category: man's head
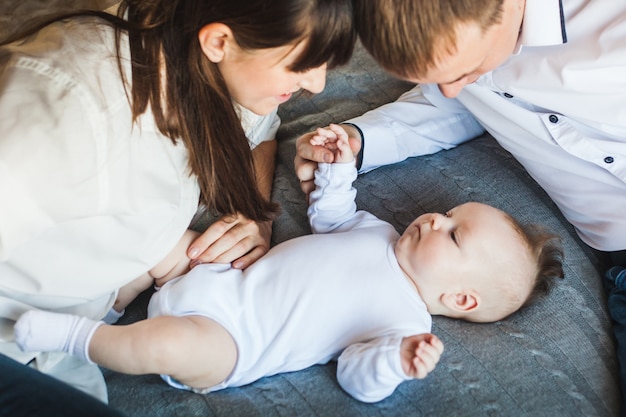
column 476, row 262
column 446, row 42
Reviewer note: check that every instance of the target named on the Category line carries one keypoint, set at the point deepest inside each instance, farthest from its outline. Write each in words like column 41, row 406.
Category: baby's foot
column 43, row 331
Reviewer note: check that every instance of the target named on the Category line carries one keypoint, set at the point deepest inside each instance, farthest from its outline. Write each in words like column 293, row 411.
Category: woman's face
column 260, row 80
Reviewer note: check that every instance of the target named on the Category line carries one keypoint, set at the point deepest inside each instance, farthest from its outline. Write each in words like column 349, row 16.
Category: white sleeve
column 420, row 122
column 371, row 371
column 95, row 203
column 37, row 164
column 21, row 217
column 332, row 201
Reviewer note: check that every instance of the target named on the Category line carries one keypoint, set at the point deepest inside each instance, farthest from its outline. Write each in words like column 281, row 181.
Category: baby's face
column 457, row 250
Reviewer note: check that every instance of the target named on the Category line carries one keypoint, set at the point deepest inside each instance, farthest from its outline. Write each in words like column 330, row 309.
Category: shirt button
column 507, row 95
column 609, row 159
column 553, row 119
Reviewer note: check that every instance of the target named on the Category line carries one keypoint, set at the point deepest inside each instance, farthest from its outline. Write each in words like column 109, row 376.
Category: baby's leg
column 195, row 350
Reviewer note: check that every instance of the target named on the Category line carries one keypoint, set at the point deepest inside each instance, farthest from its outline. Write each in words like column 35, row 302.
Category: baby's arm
column 335, row 139
column 420, row 354
column 175, row 264
column 331, row 204
column 371, row 371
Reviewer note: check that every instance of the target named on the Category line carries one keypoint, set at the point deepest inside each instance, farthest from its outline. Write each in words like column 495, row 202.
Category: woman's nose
column 314, row 80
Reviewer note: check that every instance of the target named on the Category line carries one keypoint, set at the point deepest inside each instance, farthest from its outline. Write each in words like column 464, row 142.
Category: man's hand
column 308, row 155
column 419, row 354
column 232, row 239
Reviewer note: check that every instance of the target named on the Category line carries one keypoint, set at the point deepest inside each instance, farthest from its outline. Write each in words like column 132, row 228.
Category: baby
column 354, row 291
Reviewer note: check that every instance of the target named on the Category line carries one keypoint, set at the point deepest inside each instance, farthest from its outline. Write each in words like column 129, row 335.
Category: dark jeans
column 27, row 392
column 615, row 284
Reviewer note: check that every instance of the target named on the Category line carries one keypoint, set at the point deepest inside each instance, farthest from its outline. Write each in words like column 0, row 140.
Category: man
column 543, row 77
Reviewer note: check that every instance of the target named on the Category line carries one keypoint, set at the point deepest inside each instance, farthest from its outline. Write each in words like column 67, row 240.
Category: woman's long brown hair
column 192, row 104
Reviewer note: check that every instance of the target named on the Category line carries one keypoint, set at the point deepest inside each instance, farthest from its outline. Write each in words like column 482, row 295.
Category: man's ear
column 462, row 302
column 213, row 39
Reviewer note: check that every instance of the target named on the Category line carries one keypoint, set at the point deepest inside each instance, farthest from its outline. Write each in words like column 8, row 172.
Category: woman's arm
column 264, row 157
column 236, row 239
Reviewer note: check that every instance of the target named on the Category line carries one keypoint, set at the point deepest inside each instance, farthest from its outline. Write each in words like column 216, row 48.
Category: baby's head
column 477, row 263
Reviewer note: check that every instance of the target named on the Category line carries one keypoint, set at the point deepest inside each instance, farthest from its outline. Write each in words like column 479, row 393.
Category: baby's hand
column 335, row 139
column 419, row 354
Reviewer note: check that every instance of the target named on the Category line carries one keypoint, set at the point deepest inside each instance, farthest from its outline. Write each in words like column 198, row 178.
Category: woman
column 114, row 127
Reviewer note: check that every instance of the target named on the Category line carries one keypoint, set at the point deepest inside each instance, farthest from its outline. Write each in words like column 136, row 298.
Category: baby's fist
column 420, row 354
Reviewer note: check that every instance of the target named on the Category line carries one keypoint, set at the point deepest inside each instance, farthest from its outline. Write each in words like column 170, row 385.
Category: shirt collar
column 543, row 24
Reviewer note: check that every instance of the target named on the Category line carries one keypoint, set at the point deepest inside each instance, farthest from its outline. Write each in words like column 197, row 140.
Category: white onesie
column 310, row 298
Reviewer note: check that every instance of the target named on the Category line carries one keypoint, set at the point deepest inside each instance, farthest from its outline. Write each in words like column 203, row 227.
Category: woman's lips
column 284, row 97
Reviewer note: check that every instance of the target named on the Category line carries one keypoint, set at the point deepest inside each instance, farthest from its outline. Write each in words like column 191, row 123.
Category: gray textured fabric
column 555, row 358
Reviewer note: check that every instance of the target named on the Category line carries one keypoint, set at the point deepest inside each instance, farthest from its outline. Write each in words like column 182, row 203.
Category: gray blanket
column 555, row 358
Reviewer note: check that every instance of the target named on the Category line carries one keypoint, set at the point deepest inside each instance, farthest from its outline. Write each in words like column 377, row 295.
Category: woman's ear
column 462, row 302
column 214, row 38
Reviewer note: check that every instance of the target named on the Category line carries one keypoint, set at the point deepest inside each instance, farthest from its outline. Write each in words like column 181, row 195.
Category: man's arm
column 420, row 122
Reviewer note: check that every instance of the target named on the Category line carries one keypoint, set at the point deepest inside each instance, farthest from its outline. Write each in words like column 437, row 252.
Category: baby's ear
column 462, row 302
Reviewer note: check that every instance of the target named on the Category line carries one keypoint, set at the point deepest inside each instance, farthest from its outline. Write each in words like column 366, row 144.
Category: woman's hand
column 232, row 239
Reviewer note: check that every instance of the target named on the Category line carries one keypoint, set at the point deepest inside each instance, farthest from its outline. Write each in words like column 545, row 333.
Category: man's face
column 476, row 52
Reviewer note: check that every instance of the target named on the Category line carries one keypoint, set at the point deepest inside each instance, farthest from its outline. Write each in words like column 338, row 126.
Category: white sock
column 113, row 316
column 43, row 331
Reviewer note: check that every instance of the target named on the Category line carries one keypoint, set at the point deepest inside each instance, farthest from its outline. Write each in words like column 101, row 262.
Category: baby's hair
column 514, row 287
column 409, row 33
column 546, row 249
